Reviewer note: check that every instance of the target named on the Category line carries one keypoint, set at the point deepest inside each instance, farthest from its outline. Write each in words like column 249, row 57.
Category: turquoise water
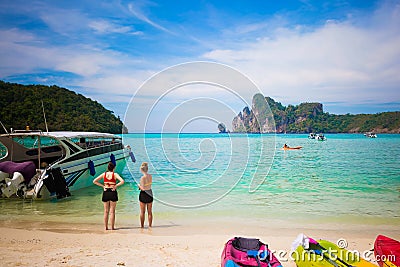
column 348, row 178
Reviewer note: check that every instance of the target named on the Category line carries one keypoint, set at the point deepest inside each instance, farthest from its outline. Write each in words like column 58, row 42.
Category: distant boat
column 370, row 135
column 40, row 165
column 320, row 137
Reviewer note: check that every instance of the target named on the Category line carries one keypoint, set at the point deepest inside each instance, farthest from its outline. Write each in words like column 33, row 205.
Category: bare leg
column 113, row 204
column 106, row 211
column 142, row 211
column 150, row 213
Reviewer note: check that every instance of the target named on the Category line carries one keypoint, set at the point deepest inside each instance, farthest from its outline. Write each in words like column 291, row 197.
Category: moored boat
column 62, row 161
column 370, row 135
column 320, row 137
column 387, row 251
column 311, row 136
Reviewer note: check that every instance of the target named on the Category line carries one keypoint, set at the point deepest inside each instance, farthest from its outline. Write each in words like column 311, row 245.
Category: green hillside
column 21, row 105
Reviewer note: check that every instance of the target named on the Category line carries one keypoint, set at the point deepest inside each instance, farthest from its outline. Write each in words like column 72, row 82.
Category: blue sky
column 345, row 54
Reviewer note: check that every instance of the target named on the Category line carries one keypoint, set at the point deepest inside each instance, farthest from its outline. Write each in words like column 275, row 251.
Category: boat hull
column 312, row 258
column 292, row 148
column 78, row 174
column 387, row 251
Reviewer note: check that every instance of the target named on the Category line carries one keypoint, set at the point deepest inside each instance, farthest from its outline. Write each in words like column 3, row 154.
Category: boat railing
column 27, row 131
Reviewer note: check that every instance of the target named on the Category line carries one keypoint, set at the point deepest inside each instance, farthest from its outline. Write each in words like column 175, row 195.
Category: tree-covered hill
column 309, row 117
column 21, row 105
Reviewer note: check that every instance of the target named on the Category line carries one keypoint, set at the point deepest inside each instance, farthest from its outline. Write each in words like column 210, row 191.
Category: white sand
column 168, row 244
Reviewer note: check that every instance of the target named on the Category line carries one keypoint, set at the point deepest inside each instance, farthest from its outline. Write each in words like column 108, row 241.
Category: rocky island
column 268, row 116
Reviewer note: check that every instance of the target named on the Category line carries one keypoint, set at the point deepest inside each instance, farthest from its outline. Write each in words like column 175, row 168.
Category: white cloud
column 124, row 84
column 337, row 61
column 215, row 87
column 86, row 62
column 138, row 13
column 64, row 21
column 22, row 52
column 105, row 27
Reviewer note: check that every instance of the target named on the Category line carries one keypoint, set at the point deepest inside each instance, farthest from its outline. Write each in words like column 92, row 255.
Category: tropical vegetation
column 65, row 110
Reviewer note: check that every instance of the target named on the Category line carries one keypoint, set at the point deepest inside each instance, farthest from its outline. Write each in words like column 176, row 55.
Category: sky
column 343, row 54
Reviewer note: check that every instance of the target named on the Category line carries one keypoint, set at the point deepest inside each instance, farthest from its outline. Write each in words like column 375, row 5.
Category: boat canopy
column 66, row 134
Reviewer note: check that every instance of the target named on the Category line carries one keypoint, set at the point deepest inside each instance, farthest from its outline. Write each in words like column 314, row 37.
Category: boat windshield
column 90, row 142
column 32, row 141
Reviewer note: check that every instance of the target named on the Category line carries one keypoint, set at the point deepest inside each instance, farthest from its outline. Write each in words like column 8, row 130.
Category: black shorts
column 109, row 195
column 146, row 196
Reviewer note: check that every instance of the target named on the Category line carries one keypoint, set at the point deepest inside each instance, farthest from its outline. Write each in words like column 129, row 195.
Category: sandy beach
column 166, row 244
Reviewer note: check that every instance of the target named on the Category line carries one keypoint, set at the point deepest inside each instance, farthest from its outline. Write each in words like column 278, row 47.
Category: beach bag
column 240, row 251
column 245, row 244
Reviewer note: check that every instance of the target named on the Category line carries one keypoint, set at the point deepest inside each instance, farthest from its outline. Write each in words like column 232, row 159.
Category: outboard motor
column 3, row 176
column 56, row 184
column 16, row 185
column 21, row 174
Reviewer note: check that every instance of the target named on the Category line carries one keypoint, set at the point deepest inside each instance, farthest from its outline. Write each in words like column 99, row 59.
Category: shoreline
column 183, row 224
column 208, row 228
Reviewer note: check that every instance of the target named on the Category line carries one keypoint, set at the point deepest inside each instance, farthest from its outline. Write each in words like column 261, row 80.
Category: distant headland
column 65, row 110
column 268, row 116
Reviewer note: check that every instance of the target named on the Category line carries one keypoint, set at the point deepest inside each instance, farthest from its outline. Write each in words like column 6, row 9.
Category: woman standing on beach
column 110, row 195
column 146, row 195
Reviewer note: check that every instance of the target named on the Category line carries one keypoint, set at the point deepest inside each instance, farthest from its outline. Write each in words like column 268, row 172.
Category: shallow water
column 347, row 179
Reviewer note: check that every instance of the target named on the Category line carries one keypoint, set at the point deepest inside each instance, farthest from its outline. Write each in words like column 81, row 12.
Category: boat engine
column 15, row 185
column 14, row 178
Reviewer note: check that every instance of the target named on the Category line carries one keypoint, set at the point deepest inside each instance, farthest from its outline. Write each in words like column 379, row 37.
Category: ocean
column 348, row 178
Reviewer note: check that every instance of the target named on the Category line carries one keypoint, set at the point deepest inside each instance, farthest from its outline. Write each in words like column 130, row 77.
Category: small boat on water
column 240, row 251
column 320, row 137
column 387, row 251
column 286, row 147
column 41, row 165
column 308, row 252
column 370, row 135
